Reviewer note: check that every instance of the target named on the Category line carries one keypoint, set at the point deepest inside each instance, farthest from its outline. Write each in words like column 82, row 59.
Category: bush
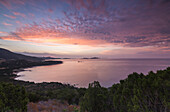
column 13, row 98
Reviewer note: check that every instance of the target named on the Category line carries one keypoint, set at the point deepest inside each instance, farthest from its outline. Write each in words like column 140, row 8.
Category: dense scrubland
column 136, row 93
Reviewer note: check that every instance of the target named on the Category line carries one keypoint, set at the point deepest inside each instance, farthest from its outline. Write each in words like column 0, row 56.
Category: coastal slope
column 8, row 55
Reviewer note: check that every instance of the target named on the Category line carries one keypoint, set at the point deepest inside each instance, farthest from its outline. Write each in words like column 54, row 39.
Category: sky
column 86, row 28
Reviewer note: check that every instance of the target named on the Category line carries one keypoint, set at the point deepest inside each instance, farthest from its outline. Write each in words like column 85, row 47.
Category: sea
column 81, row 72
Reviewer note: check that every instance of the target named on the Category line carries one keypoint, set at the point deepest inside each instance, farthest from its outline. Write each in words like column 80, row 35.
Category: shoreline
column 57, row 74
column 10, row 71
column 16, row 71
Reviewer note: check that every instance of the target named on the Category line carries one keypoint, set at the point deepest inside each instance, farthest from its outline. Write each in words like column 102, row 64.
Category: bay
column 81, row 72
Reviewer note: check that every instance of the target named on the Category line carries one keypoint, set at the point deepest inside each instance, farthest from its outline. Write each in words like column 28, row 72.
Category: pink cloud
column 50, row 10
column 1, row 32
column 10, row 16
column 6, row 3
column 111, row 22
column 10, row 4
column 6, row 24
column 19, row 23
column 19, row 14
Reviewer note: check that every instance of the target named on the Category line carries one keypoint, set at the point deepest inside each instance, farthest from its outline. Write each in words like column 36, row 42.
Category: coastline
column 9, row 75
column 9, row 70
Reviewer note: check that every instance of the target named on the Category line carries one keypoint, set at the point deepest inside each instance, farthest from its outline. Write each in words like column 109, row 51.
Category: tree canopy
column 137, row 93
column 13, row 98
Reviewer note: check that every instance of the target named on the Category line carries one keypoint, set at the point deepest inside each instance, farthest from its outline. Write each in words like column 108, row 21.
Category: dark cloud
column 121, row 18
column 133, row 39
column 165, row 1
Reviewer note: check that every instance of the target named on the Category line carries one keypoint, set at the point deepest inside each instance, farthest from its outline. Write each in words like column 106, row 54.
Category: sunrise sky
column 85, row 28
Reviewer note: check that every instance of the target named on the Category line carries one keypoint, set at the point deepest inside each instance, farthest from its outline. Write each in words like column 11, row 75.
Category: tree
column 95, row 98
column 139, row 93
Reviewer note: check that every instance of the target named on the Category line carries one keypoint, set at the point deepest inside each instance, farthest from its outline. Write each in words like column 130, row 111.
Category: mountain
column 8, row 55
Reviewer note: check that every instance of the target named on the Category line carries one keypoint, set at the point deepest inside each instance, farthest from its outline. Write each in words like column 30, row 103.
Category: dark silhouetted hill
column 8, row 55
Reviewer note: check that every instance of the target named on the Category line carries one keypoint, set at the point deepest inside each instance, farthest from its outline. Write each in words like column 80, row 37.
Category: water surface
column 82, row 72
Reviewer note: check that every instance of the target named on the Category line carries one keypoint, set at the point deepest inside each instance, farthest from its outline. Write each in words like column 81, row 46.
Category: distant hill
column 8, row 55
column 92, row 58
column 49, row 58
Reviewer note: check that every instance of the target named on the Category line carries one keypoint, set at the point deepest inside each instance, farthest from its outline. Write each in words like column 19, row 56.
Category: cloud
column 1, row 32
column 6, row 24
column 10, row 4
column 50, row 10
column 19, row 14
column 133, row 23
column 10, row 16
column 123, row 22
column 19, row 23
column 6, row 3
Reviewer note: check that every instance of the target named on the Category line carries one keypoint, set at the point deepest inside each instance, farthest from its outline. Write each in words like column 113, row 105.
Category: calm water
column 107, row 72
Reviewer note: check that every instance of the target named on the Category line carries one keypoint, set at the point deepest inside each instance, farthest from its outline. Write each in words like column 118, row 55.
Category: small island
column 92, row 58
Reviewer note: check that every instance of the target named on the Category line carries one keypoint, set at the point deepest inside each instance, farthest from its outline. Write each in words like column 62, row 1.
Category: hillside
column 8, row 55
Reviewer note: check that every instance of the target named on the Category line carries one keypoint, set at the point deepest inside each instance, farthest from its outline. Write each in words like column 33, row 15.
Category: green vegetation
column 67, row 93
column 13, row 98
column 137, row 93
column 95, row 98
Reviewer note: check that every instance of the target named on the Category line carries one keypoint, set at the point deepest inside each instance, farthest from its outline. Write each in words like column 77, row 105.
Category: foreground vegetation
column 137, row 93
column 12, row 98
